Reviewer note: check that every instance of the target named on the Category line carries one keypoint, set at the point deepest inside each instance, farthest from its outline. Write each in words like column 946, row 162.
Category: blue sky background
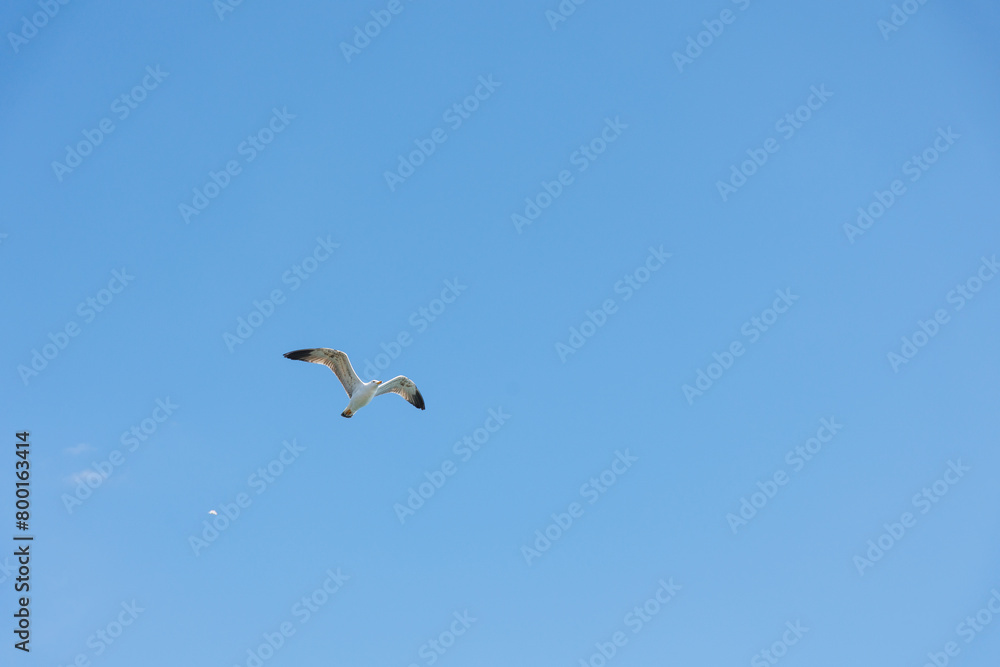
column 494, row 347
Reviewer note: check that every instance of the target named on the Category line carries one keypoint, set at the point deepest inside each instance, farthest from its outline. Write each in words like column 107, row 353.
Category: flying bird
column 360, row 393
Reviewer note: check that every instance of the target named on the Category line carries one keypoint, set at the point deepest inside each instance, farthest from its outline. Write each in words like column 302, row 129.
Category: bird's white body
column 362, row 396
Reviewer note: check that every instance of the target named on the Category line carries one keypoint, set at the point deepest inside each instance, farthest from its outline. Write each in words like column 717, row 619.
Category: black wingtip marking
column 418, row 400
column 297, row 354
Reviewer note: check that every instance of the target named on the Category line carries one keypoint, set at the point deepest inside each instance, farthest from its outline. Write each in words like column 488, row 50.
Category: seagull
column 360, row 393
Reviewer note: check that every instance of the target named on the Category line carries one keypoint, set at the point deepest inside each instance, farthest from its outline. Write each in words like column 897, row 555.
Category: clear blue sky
column 187, row 197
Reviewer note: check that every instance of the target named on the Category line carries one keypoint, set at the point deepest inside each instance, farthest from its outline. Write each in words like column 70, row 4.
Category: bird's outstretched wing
column 336, row 360
column 403, row 386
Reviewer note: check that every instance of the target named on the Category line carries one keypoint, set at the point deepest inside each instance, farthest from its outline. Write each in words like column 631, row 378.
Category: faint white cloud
column 82, row 476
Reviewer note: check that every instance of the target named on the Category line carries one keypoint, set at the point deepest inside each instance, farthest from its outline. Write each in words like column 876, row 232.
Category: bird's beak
column 378, row 382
